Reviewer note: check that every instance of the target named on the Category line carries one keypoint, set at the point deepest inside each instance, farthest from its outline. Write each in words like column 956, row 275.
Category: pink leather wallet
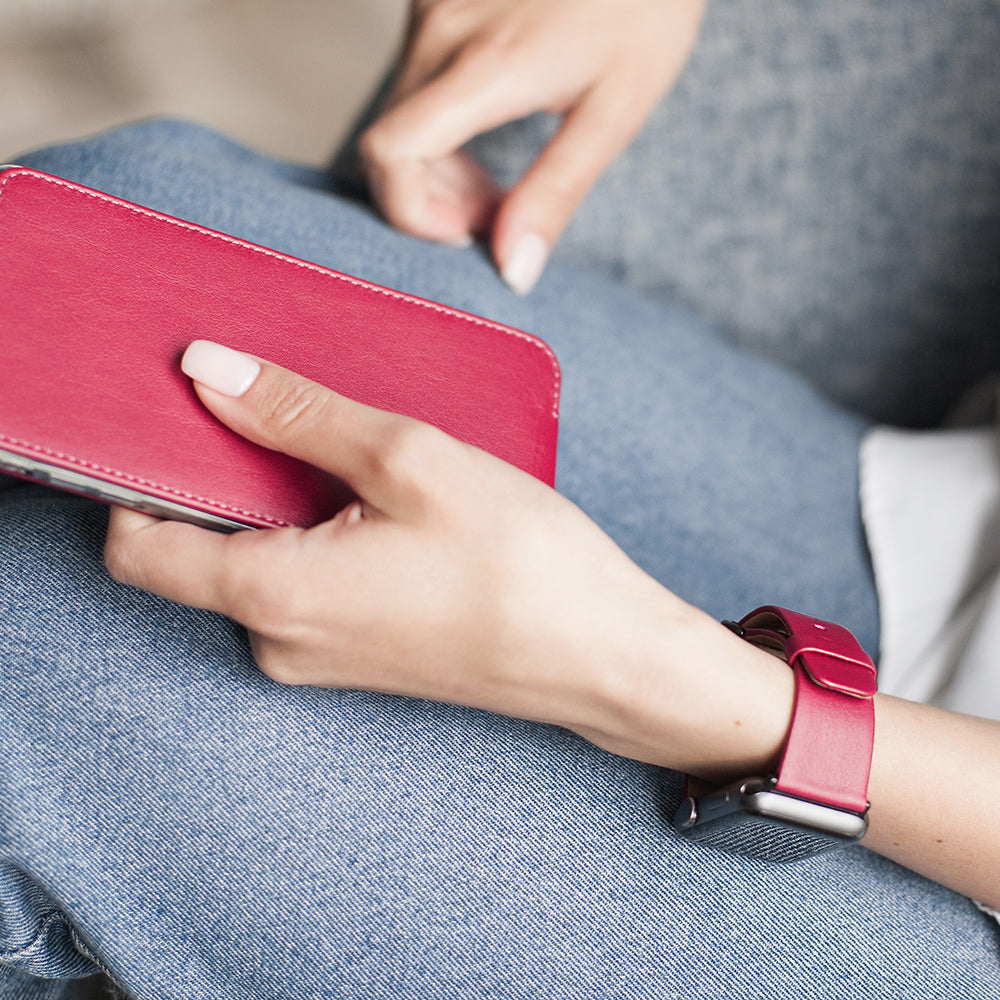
column 99, row 297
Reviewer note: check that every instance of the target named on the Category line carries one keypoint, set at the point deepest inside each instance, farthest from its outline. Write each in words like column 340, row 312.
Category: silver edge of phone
column 98, row 489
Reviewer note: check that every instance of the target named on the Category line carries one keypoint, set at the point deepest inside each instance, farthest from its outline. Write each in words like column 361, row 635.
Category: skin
column 475, row 584
column 470, row 65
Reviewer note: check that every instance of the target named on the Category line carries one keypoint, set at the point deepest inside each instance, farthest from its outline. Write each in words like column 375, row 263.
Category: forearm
column 935, row 795
column 685, row 693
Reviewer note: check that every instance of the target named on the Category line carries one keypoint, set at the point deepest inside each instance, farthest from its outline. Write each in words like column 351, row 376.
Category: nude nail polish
column 527, row 261
column 220, row 368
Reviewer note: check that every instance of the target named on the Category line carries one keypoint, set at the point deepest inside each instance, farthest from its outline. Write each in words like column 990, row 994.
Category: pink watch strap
column 828, row 755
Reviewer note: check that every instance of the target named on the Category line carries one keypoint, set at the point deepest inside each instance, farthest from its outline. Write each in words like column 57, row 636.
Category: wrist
column 740, row 708
column 817, row 797
column 694, row 697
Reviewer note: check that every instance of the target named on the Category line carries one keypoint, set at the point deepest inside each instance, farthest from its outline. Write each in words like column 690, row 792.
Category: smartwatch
column 818, row 799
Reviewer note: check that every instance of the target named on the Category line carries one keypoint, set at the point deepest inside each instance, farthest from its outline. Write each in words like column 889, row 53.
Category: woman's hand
column 459, row 578
column 471, row 65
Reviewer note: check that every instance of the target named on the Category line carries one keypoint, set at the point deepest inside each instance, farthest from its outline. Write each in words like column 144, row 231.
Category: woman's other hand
column 471, row 65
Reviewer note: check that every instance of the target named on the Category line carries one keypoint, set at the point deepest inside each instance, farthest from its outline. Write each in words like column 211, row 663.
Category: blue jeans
column 177, row 820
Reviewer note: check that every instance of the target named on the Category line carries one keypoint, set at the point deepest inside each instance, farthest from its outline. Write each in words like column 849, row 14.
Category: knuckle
column 275, row 664
column 119, row 560
column 290, row 410
column 248, row 596
column 269, row 603
column 617, row 112
column 404, row 454
column 489, row 54
column 561, row 196
column 442, row 22
column 129, row 555
column 247, row 599
column 377, row 145
column 468, row 35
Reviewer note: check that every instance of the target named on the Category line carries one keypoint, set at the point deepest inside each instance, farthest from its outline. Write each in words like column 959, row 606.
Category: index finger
column 542, row 202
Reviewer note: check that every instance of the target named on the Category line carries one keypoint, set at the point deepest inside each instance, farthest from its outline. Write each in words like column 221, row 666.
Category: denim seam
column 22, row 950
column 81, row 946
column 87, row 952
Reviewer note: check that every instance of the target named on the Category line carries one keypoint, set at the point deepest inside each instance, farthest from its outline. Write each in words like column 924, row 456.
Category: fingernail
column 220, row 368
column 527, row 261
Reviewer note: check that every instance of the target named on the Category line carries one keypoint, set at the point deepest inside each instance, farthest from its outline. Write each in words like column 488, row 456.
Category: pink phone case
column 99, row 298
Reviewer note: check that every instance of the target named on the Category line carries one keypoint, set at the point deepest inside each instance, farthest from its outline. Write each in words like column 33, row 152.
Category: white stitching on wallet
column 368, row 286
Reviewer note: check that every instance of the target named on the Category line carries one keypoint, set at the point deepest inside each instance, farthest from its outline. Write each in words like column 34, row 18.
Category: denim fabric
column 201, row 832
column 210, row 834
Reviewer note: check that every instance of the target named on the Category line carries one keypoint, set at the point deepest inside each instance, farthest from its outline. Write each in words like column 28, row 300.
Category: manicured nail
column 527, row 261
column 220, row 368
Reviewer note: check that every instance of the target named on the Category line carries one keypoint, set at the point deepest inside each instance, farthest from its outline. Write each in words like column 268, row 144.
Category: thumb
column 285, row 412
